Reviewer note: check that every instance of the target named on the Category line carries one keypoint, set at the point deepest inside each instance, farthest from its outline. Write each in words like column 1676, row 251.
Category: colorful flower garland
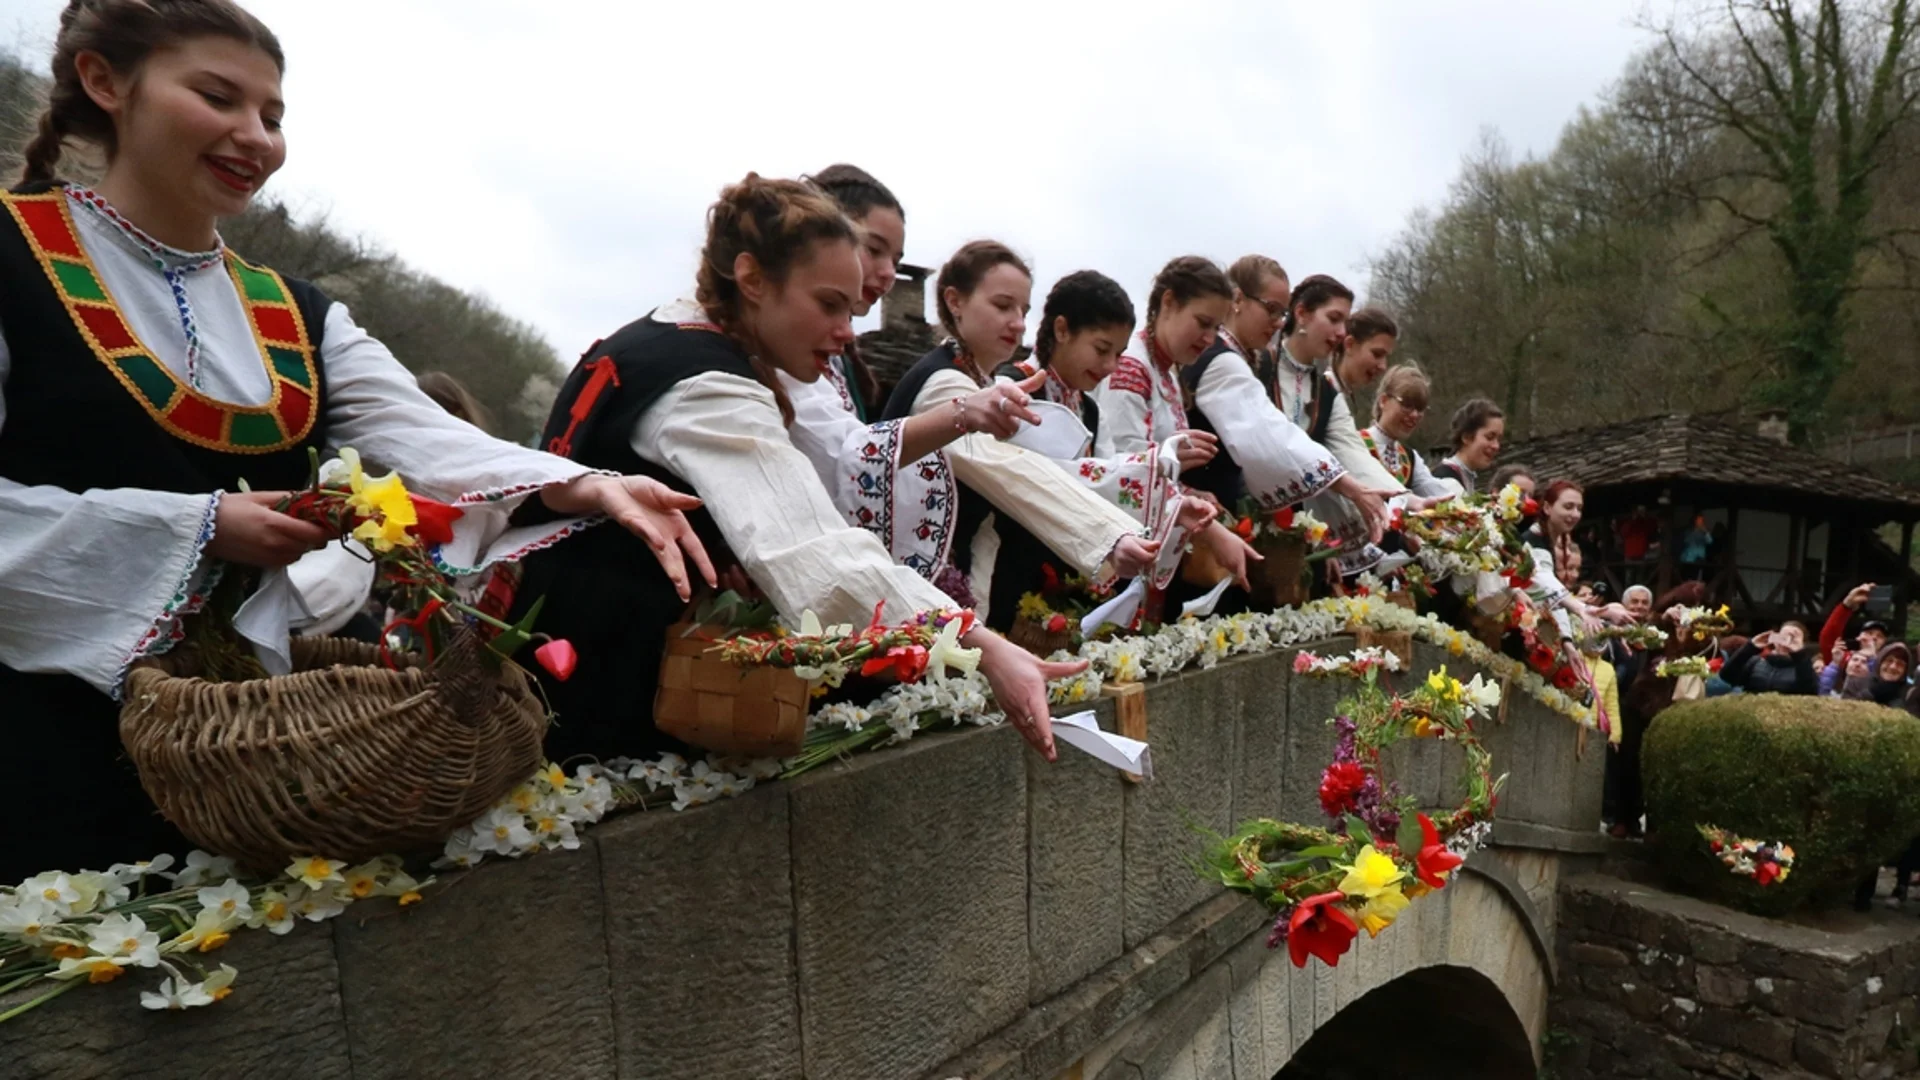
column 1765, row 862
column 1381, row 854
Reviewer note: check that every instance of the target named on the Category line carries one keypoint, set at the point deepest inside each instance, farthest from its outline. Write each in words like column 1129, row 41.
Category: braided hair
column 1085, row 299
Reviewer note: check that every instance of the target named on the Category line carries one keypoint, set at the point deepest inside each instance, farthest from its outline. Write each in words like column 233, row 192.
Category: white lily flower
column 946, row 652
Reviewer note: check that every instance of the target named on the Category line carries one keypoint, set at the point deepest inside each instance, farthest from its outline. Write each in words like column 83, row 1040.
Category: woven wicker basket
column 343, row 758
column 1402, row 599
column 1280, row 579
column 1033, row 636
column 1200, row 569
column 724, row 707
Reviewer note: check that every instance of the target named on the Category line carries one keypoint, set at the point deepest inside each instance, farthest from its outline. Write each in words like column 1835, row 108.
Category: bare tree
column 1811, row 94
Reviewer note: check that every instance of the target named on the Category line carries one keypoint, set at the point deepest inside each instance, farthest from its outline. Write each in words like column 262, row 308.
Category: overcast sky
column 559, row 156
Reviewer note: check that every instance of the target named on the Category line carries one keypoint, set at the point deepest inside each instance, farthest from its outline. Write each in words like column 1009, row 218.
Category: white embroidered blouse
column 91, row 581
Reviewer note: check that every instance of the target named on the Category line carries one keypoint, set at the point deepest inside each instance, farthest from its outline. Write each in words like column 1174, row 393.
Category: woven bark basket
column 343, row 758
column 758, row 711
column 1280, row 580
column 1033, row 636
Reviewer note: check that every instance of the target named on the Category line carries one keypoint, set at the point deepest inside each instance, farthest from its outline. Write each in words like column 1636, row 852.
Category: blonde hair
column 1406, row 381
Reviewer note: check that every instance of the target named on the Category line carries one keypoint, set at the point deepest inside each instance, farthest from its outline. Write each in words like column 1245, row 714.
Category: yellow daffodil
column 1371, row 874
column 1381, row 910
column 384, row 504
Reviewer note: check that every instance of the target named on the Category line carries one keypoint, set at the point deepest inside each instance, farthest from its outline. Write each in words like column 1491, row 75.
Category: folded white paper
column 1082, row 733
column 1059, row 434
column 1118, row 611
column 1202, row 606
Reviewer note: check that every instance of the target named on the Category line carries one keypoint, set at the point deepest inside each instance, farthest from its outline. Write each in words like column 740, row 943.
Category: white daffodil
column 810, row 627
column 130, row 873
column 501, row 831
column 461, row 851
column 692, row 793
column 203, row 869
column 99, row 892
column 176, row 993
column 947, row 652
column 319, row 905
column 364, row 880
column 727, row 785
column 27, row 917
column 315, row 872
column 56, row 888
column 274, row 911
column 125, row 938
column 231, row 902
column 208, row 932
column 558, row 832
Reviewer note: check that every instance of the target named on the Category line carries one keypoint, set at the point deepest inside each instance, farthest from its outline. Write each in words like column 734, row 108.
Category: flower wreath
column 1765, row 862
column 1328, row 883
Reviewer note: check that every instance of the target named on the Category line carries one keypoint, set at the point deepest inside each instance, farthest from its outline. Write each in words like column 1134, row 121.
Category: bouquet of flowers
column 1253, row 522
column 1705, row 624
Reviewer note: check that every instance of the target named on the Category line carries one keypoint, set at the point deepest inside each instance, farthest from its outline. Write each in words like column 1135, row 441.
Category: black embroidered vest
column 88, row 405
column 604, row 589
column 1222, row 476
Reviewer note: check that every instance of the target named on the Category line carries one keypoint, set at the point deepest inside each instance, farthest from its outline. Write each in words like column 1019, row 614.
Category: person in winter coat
column 1775, row 662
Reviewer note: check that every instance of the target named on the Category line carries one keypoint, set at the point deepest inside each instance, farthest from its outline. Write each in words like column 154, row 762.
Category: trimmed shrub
column 1839, row 781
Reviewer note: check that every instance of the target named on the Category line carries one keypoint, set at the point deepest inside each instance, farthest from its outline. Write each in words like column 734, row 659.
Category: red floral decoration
column 1339, row 785
column 1320, row 927
column 1434, row 862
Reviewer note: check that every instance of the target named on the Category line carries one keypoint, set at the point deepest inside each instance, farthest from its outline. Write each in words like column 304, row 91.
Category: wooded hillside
column 428, row 324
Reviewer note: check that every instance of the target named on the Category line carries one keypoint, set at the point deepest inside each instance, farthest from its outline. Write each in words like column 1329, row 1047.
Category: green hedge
column 1839, row 781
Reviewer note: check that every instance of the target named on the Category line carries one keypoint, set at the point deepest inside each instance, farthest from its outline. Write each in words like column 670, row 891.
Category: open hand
column 1000, row 409
column 1232, row 553
column 1196, row 449
column 1019, row 681
column 649, row 510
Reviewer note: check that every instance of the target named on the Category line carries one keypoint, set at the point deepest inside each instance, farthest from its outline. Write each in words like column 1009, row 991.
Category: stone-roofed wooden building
column 1791, row 530
column 904, row 335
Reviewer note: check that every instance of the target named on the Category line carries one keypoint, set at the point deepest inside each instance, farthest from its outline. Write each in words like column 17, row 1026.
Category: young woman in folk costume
column 1402, row 401
column 1478, row 426
column 1316, row 347
column 1177, row 381
column 1261, row 288
column 888, row 476
column 1017, row 507
column 689, row 394
column 149, row 373
column 1084, row 327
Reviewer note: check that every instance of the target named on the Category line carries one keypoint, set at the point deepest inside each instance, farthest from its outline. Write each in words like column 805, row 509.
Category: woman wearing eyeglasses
column 1397, row 411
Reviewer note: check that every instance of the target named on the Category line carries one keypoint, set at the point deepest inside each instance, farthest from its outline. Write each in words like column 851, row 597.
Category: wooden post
column 1129, row 713
column 1790, row 584
column 1902, row 593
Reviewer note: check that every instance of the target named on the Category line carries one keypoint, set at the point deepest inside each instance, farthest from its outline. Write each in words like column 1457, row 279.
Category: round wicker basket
column 342, row 758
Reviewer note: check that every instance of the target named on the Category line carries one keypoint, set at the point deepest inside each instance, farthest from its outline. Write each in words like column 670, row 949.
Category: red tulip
column 1530, row 508
column 1057, row 623
column 1283, row 518
column 1565, row 679
column 1434, row 862
column 1320, row 927
column 1243, row 528
column 1714, row 665
column 1765, row 873
column 436, row 519
column 905, row 662
column 558, row 657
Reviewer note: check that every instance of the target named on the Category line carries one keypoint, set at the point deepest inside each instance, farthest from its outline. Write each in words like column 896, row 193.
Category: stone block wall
column 953, row 907
column 1657, row 985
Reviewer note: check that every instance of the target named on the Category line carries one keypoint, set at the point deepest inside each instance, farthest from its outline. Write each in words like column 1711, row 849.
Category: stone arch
column 1440, row 1020
column 1248, row 1014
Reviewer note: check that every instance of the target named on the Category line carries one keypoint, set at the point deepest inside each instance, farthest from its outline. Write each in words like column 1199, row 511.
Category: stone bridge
column 955, row 907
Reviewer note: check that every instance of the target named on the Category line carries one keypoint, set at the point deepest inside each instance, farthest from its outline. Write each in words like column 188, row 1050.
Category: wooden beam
column 1903, row 588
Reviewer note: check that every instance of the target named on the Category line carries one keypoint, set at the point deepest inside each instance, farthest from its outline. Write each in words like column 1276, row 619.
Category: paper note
column 1081, row 732
column 1202, row 606
column 1118, row 611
